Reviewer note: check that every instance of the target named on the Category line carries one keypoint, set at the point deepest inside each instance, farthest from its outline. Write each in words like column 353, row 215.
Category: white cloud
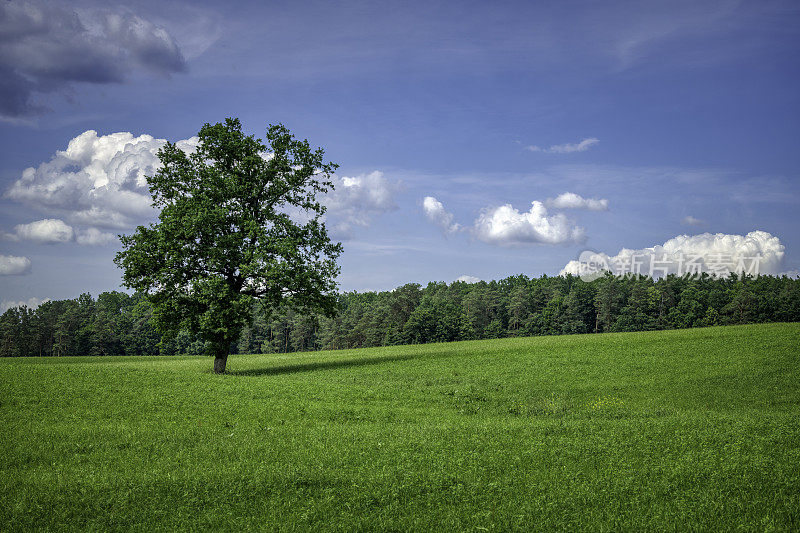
column 689, row 220
column 50, row 231
column 794, row 274
column 355, row 200
column 714, row 253
column 506, row 226
column 31, row 303
column 436, row 213
column 570, row 200
column 468, row 279
column 94, row 237
column 11, row 265
column 47, row 231
column 99, row 180
column 567, row 148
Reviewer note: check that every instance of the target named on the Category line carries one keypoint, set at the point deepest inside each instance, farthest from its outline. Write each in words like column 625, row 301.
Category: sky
column 476, row 140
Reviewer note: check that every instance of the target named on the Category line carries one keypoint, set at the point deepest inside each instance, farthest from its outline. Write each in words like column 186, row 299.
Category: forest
column 117, row 323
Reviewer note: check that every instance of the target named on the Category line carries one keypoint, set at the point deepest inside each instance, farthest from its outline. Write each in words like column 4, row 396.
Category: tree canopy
column 240, row 224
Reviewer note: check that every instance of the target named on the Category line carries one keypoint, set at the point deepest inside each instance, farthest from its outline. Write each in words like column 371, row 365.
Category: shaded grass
column 691, row 429
column 321, row 365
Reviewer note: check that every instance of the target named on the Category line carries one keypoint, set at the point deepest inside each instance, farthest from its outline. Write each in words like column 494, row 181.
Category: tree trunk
column 221, row 349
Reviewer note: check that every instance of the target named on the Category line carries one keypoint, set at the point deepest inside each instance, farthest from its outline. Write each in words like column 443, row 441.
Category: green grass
column 693, row 429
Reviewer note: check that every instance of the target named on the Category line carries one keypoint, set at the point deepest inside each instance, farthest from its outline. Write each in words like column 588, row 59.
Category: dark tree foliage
column 119, row 324
column 227, row 239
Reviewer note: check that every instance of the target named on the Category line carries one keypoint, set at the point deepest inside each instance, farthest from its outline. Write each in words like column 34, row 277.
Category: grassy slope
column 664, row 430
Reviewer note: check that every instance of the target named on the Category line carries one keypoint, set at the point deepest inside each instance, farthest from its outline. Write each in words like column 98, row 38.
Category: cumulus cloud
column 436, row 213
column 355, row 200
column 47, row 231
column 570, row 200
column 506, row 226
column 719, row 254
column 689, row 220
column 46, row 47
column 468, row 279
column 11, row 265
column 30, row 303
column 567, row 148
column 99, row 180
column 94, row 237
column 51, row 231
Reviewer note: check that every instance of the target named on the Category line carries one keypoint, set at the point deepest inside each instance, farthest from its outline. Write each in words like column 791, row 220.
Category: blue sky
column 666, row 110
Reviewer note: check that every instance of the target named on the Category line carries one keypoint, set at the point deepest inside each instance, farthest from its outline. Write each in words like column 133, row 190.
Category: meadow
column 691, row 429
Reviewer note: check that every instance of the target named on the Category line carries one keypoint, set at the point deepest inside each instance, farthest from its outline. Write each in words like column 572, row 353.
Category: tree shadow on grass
column 322, row 365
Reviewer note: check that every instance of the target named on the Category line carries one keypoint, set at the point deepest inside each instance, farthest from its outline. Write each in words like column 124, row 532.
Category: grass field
column 671, row 430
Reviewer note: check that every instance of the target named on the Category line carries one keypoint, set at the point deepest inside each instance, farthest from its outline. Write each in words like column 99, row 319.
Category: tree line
column 117, row 323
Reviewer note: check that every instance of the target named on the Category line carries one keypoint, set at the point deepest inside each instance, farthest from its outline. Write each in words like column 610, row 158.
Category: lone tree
column 240, row 223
